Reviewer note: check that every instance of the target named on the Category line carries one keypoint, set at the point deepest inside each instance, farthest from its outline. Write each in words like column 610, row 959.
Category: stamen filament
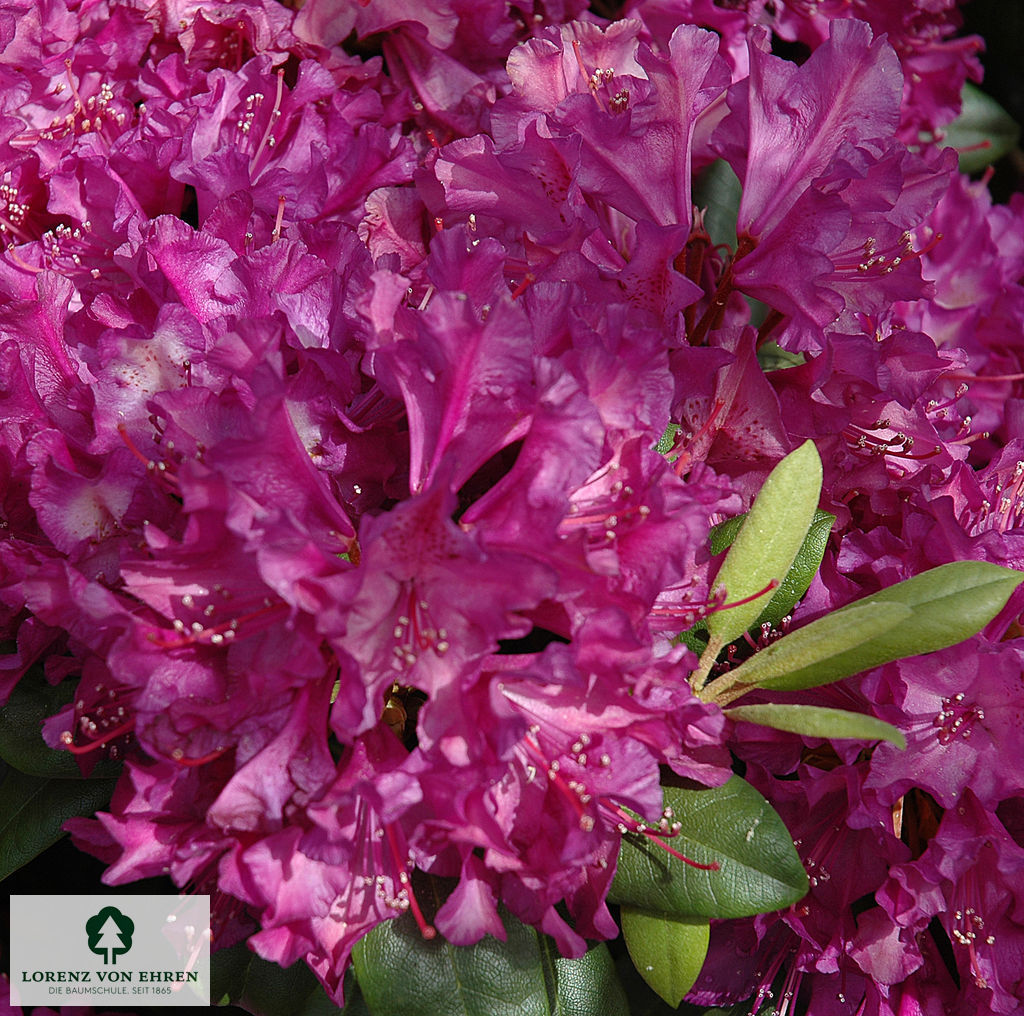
column 67, row 738
column 275, row 114
column 658, row 838
column 428, row 931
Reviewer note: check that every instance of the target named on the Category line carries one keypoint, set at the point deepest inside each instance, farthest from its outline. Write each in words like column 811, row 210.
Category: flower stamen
column 627, row 823
column 267, row 140
column 107, row 718
column 406, row 896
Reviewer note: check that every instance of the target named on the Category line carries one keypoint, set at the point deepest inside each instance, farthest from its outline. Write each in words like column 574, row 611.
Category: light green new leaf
column 668, row 952
column 818, row 721
column 733, row 826
column 982, row 133
column 794, row 585
column 947, row 605
column 801, row 573
column 817, row 645
column 767, row 545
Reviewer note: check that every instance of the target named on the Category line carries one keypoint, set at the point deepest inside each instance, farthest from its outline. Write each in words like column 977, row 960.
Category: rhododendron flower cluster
column 372, row 376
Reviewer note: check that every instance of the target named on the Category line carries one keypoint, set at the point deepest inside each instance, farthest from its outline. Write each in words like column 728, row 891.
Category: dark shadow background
column 1001, row 24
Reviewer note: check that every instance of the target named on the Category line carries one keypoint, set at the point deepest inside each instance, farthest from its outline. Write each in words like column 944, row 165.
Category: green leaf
column 665, row 442
column 21, row 738
column 401, row 972
column 817, row 645
column 722, row 535
column 767, row 544
column 588, row 986
column 947, row 605
column 818, row 721
column 718, row 190
column 668, row 952
column 696, row 639
column 983, row 132
column 733, row 825
column 241, row 978
column 772, row 356
column 800, row 575
column 33, row 809
column 794, row 585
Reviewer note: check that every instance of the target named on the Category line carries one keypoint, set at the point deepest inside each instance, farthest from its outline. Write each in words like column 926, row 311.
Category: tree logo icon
column 110, row 934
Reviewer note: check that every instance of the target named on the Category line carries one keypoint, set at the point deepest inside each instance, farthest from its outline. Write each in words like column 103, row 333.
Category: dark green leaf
column 724, row 533
column 758, row 313
column 733, row 825
column 947, row 605
column 667, row 951
column 401, row 972
column 21, row 739
column 667, row 439
column 239, row 977
column 801, row 573
column 588, row 986
column 983, row 132
column 718, row 190
column 696, row 639
column 818, row 721
column 767, row 544
column 33, row 809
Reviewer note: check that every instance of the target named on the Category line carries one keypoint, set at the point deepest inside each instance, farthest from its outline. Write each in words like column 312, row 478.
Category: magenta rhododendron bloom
column 380, row 388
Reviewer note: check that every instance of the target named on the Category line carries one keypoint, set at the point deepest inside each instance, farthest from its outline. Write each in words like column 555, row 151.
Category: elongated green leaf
column 766, row 546
column 801, row 573
column 33, row 809
column 831, row 638
column 668, row 952
column 983, row 132
column 732, row 825
column 240, row 978
column 947, row 605
column 21, row 739
column 401, row 972
column 818, row 721
column 794, row 585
